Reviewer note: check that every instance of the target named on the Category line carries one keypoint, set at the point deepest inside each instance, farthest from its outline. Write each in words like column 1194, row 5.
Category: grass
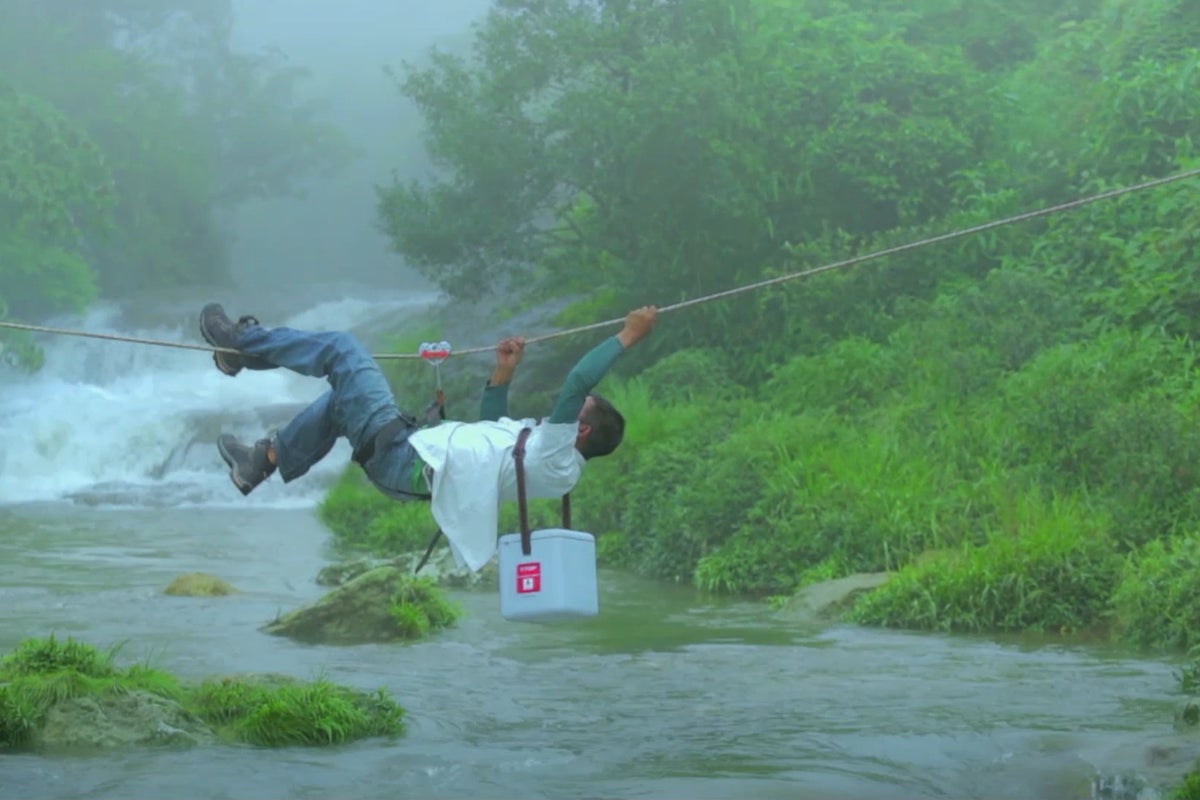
column 39, row 673
column 363, row 519
column 418, row 608
column 1043, row 574
column 275, row 713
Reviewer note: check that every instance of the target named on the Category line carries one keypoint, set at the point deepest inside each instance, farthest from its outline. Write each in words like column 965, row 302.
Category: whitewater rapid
column 108, row 423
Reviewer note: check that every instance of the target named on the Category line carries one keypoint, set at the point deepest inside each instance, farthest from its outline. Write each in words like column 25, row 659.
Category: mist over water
column 109, row 423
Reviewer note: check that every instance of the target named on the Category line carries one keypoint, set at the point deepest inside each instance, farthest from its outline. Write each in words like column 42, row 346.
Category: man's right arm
column 494, row 403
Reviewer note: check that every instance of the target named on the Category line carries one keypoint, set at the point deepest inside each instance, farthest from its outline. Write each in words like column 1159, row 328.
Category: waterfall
column 119, row 424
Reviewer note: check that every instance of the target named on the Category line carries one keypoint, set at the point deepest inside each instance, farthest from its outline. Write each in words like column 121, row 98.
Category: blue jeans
column 358, row 404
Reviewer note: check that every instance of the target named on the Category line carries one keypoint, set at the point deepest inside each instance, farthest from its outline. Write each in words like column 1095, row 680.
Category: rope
column 849, row 262
column 113, row 337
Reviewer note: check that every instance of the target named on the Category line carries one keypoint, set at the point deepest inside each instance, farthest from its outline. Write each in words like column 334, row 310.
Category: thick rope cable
column 750, row 287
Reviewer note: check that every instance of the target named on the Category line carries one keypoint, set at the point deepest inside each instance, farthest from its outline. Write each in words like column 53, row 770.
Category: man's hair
column 608, row 428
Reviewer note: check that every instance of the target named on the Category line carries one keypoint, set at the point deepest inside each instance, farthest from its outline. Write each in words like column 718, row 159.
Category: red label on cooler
column 529, row 577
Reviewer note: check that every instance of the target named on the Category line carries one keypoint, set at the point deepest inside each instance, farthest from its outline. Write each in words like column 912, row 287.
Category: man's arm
column 494, row 403
column 584, row 376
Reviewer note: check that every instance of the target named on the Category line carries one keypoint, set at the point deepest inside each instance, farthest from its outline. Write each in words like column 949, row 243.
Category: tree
column 56, row 187
column 673, row 147
column 189, row 127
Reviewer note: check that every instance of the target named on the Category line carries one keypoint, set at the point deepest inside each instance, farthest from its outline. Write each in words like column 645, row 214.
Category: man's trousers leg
column 358, row 404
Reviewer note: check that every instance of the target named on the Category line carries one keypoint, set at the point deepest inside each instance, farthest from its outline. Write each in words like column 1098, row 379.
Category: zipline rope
column 849, row 262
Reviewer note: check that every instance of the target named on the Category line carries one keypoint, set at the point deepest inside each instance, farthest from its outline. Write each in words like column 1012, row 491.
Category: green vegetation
column 42, row 672
column 419, row 608
column 286, row 713
column 1158, row 602
column 1008, row 421
column 1189, row 789
column 383, row 603
column 363, row 518
column 1188, row 716
column 39, row 673
column 132, row 128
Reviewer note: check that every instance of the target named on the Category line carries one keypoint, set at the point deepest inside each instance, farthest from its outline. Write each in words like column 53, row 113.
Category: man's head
column 601, row 427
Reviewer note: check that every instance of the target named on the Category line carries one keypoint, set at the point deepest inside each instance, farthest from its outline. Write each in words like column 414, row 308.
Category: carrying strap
column 522, row 505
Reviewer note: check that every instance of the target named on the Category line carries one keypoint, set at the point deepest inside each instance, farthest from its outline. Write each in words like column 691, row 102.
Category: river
column 110, row 489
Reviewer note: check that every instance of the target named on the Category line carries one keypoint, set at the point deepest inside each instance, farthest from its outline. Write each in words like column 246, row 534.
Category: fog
column 329, row 234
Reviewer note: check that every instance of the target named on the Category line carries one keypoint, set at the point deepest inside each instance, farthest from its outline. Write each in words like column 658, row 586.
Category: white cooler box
column 556, row 581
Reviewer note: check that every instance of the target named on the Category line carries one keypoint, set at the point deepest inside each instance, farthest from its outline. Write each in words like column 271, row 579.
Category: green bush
column 1142, row 460
column 1189, row 788
column 1051, row 568
column 317, row 714
column 363, row 518
column 867, row 498
column 1157, row 603
column 419, row 608
column 851, row 375
column 282, row 713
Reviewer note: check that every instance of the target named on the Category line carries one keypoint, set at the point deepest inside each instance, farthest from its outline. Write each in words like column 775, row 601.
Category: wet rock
column 198, row 584
column 1123, row 787
column 440, row 568
column 1144, row 768
column 827, row 599
column 1187, row 714
column 337, row 574
column 361, row 610
column 121, row 720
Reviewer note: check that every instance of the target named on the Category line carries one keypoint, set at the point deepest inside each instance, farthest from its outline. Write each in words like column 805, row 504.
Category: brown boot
column 248, row 464
column 220, row 331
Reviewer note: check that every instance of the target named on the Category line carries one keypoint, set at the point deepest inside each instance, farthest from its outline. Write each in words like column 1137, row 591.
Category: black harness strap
column 428, row 550
column 385, row 434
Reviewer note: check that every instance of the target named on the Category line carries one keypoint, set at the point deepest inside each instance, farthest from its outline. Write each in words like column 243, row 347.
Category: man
column 464, row 469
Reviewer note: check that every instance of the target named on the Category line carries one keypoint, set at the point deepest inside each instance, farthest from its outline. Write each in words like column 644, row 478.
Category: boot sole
column 225, row 368
column 228, row 458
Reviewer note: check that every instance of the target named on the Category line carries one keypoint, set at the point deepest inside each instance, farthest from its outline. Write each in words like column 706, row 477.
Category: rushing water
column 111, row 490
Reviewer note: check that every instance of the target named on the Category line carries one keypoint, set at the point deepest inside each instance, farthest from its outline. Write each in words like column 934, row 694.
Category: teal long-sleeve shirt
column 580, row 381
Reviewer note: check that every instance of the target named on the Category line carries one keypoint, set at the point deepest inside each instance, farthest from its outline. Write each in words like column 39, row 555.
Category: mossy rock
column 346, row 571
column 440, row 569
column 382, row 604
column 826, row 600
column 137, row 718
column 198, row 584
column 67, row 694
